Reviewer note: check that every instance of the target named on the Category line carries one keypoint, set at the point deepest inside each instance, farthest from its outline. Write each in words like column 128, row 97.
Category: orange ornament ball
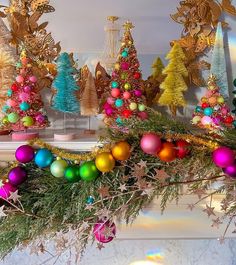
column 121, row 151
column 168, row 152
column 212, row 101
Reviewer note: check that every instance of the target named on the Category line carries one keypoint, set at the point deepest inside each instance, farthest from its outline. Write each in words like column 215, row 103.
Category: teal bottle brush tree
column 65, row 99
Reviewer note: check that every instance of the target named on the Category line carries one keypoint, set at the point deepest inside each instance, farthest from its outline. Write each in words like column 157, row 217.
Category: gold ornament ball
column 105, row 162
column 133, row 106
column 5, row 120
column 127, row 86
column 220, row 100
column 196, row 119
column 168, row 152
column 117, row 66
column 203, row 100
column 212, row 101
column 211, row 87
column 121, row 151
column 123, row 44
column 130, row 42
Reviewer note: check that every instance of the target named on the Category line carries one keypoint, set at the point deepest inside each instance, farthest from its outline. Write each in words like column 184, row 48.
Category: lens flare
column 155, row 255
column 144, row 262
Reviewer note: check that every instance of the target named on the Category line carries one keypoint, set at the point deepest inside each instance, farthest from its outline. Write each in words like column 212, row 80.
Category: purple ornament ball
column 109, row 112
column 138, row 93
column 24, row 154
column 231, row 170
column 6, row 189
column 150, row 143
column 17, row 176
column 223, row 157
column 99, row 229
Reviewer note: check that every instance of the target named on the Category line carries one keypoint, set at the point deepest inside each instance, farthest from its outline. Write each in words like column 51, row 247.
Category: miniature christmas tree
column 23, row 108
column 234, row 103
column 126, row 100
column 174, row 84
column 65, row 85
column 152, row 84
column 213, row 113
column 218, row 65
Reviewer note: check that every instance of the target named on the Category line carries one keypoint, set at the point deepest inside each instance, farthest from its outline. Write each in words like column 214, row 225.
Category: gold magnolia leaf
column 42, row 26
column 228, row 7
column 33, row 20
column 216, row 11
column 35, row 4
column 202, row 10
column 46, row 9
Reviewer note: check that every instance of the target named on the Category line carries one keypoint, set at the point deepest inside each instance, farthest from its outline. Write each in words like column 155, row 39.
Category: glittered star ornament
column 89, row 207
column 216, row 222
column 142, row 164
column 85, row 225
column 199, row 193
column 107, row 232
column 2, row 213
column 14, row 196
column 161, row 175
column 122, row 188
column 100, row 246
column 209, row 210
column 103, row 213
column 138, row 172
column 148, row 192
column 104, row 191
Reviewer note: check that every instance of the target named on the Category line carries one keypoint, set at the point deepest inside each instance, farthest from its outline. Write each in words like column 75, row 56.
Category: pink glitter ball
column 6, row 189
column 33, row 79
column 22, row 71
column 126, row 95
column 110, row 101
column 106, row 106
column 20, row 79
column 224, row 110
column 11, row 103
column 125, row 66
column 24, row 96
column 40, row 118
column 114, row 74
column 27, row 89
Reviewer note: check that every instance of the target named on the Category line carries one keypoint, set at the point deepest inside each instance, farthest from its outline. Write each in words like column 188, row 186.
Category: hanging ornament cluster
column 126, row 97
column 225, row 158
column 152, row 144
column 213, row 112
column 23, row 107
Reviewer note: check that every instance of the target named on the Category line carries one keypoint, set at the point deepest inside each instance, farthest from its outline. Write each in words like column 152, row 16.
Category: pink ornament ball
column 110, row 101
column 40, row 118
column 99, row 229
column 115, row 92
column 151, row 143
column 11, row 103
column 17, row 176
column 106, row 106
column 27, row 89
column 126, row 95
column 19, row 79
column 224, row 111
column 230, row 170
column 125, row 66
column 143, row 115
column 223, row 157
column 6, row 189
column 24, row 96
column 206, row 120
column 24, row 154
column 114, row 74
column 33, row 79
column 138, row 93
column 22, row 71
column 109, row 112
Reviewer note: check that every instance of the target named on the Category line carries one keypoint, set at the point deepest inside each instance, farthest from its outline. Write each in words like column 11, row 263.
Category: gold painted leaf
column 42, row 26
column 46, row 9
column 33, row 20
column 35, row 4
column 228, row 7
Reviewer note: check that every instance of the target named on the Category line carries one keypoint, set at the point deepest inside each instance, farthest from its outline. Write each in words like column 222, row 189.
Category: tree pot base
column 24, row 136
column 89, row 132
column 5, row 132
column 64, row 136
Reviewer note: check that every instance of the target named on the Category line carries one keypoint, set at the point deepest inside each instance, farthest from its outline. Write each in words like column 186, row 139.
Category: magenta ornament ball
column 223, row 157
column 138, row 93
column 150, row 143
column 27, row 89
column 40, row 118
column 109, row 112
column 99, row 229
column 24, row 154
column 231, row 170
column 125, row 66
column 143, row 115
column 17, row 176
column 6, row 189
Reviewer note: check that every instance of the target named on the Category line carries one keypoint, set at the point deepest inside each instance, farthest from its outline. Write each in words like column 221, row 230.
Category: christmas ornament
column 90, row 200
column 27, row 89
column 11, row 103
column 72, row 174
column 143, row 115
column 126, row 113
column 182, row 148
column 105, row 162
column 24, row 106
column 208, row 111
column 115, row 92
column 124, row 54
column 28, row 121
column 40, row 118
column 127, row 86
column 137, row 75
column 24, row 154
column 17, row 176
column 231, row 170
column 114, row 84
column 133, row 106
column 14, row 87
column 9, row 92
column 121, row 151
column 223, row 157
column 205, row 120
column 104, row 231
column 6, row 189
column 110, row 101
column 126, row 95
column 119, row 103
column 13, row 117
column 138, row 93
column 33, row 79
column 19, row 79
column 58, row 168
column 150, row 143
column 125, row 66
column 43, row 158
column 109, row 111
column 168, row 152
column 88, row 171
column 141, row 107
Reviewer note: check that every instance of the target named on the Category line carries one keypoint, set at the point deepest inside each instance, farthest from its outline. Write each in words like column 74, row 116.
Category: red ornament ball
column 168, row 152
column 127, row 113
column 137, row 75
column 14, row 87
column 100, row 228
column 205, row 105
column 115, row 92
column 229, row 120
column 143, row 115
column 182, row 149
column 126, row 95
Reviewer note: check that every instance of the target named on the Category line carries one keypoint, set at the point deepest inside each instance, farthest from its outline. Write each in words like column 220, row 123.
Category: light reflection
column 144, row 262
column 155, row 255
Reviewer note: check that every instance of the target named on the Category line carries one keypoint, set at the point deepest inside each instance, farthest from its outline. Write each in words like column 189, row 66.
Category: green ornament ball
column 58, row 168
column 18, row 65
column 123, row 76
column 72, row 174
column 141, row 107
column 88, row 171
column 13, row 117
column 28, row 121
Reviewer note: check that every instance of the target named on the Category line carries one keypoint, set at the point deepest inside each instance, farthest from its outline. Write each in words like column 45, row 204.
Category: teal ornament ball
column 58, row 168
column 72, row 174
column 24, row 106
column 234, row 123
column 208, row 111
column 9, row 92
column 124, row 54
column 114, row 84
column 198, row 109
column 5, row 108
column 119, row 121
column 90, row 200
column 119, row 103
column 88, row 171
column 43, row 158
column 126, row 49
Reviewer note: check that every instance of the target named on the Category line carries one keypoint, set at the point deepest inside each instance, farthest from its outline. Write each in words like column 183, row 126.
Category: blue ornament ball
column 119, row 103
column 43, row 158
column 119, row 121
column 124, row 54
column 114, row 84
column 24, row 106
column 234, row 123
column 208, row 111
column 198, row 109
column 90, row 200
column 9, row 92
